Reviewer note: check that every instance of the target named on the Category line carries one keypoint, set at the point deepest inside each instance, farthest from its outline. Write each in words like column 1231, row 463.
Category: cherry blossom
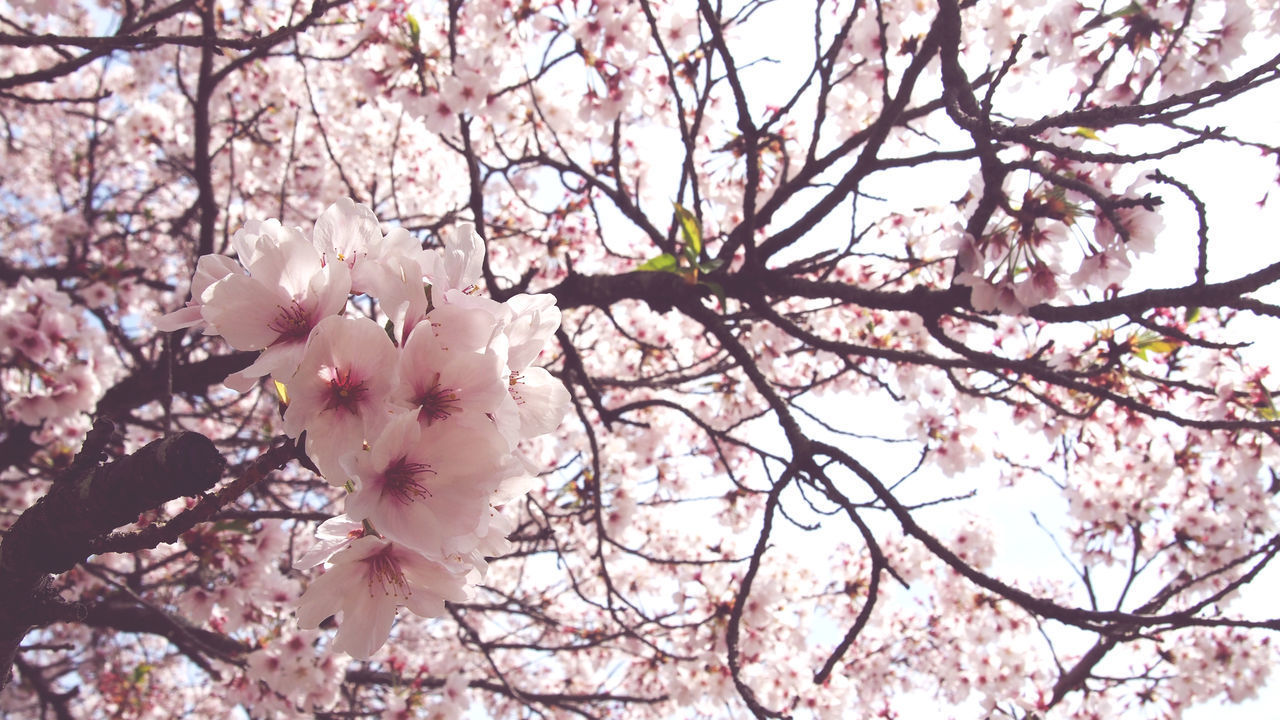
column 457, row 268
column 427, row 489
column 347, row 233
column 659, row 367
column 338, row 394
column 367, row 582
column 447, row 383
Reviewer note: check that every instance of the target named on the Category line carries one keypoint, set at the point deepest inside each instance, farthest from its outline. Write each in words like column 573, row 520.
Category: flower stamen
column 385, row 571
column 436, row 402
column 293, row 323
column 345, row 393
column 400, row 480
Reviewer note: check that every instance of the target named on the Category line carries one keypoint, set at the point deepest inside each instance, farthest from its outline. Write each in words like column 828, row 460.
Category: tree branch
column 55, row 533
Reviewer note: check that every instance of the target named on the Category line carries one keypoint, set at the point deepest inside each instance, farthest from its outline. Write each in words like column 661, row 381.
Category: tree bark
column 88, row 501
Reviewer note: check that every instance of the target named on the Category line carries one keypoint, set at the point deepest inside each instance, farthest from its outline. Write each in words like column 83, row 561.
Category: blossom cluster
column 1025, row 259
column 419, row 418
column 54, row 356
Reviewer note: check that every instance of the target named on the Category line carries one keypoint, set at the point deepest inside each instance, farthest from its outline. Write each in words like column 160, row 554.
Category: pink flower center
column 401, row 480
column 345, row 392
column 385, row 571
column 293, row 323
column 437, row 402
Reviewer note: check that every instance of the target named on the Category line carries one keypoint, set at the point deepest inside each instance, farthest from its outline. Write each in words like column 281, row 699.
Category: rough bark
column 87, row 502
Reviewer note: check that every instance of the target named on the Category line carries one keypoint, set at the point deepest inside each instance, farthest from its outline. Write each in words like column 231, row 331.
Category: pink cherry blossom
column 992, row 297
column 1102, row 269
column 348, row 233
column 427, row 488
column 446, row 384
column 338, row 394
column 209, row 269
column 287, row 292
column 949, row 392
column 458, row 266
column 533, row 321
column 367, row 582
column 332, row 535
column 539, row 400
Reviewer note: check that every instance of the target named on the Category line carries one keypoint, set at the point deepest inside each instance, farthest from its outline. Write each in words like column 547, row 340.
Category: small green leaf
column 1265, row 404
column 1133, row 8
column 711, row 266
column 718, row 290
column 1085, row 132
column 415, row 30
column 690, row 254
column 282, row 392
column 689, row 229
column 1148, row 341
column 244, row 527
column 666, row 262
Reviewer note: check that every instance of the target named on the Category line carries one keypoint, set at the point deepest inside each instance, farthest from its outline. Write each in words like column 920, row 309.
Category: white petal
column 535, row 318
column 243, row 310
column 541, row 400
column 463, row 258
column 324, row 596
column 366, row 622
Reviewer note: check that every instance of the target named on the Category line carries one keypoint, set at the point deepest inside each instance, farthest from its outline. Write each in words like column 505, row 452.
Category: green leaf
column 690, row 254
column 666, row 262
column 1148, row 341
column 1085, row 132
column 282, row 392
column 244, row 527
column 415, row 30
column 1266, row 403
column 711, row 266
column 1133, row 8
column 717, row 290
column 689, row 229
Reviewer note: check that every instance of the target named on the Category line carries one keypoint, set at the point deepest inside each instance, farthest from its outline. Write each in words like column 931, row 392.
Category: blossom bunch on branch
column 419, row 417
column 53, row 362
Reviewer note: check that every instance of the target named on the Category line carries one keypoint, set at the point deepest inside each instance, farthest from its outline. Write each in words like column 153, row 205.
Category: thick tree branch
column 55, row 533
